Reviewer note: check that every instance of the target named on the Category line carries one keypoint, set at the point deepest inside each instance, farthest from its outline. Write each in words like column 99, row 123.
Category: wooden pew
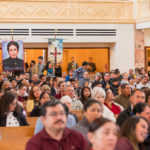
column 16, row 132
column 79, row 113
column 32, row 121
column 15, row 137
column 10, row 143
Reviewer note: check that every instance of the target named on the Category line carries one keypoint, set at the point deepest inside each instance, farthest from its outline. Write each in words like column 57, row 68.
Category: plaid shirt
column 78, row 73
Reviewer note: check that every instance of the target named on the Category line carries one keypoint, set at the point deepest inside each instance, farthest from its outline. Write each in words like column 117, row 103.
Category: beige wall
column 143, row 11
column 74, row 11
column 66, row 11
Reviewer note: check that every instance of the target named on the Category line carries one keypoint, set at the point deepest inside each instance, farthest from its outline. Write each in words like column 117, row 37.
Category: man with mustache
column 55, row 136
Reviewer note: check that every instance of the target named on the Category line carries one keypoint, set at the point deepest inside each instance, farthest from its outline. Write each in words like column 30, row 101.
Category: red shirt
column 71, row 140
column 115, row 109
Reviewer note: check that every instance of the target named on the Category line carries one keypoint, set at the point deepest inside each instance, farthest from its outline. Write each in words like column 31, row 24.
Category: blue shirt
column 78, row 73
column 70, row 123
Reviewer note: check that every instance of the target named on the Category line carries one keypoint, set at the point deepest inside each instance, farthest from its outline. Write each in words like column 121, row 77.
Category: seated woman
column 34, row 98
column 102, row 134
column 99, row 94
column 6, row 85
column 44, row 97
column 10, row 111
column 143, row 110
column 85, row 94
column 132, row 134
column 68, row 102
column 92, row 110
column 114, row 107
column 48, row 69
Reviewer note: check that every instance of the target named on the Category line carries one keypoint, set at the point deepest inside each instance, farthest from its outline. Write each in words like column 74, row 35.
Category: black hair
column 40, row 57
column 115, row 80
column 123, row 86
column 89, row 103
column 97, row 123
column 12, row 43
column 130, row 77
column 49, row 104
column 71, row 80
column 33, row 61
column 43, row 93
column 42, row 75
column 95, row 83
column 83, row 99
column 48, row 78
column 46, row 66
column 128, row 130
column 139, row 108
column 55, row 79
column 116, row 71
column 147, row 94
column 30, row 81
column 85, row 63
column 26, row 65
column 5, row 101
column 21, row 85
column 106, row 90
column 66, row 109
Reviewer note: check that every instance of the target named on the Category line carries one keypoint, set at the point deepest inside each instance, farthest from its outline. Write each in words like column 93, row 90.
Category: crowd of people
column 115, row 106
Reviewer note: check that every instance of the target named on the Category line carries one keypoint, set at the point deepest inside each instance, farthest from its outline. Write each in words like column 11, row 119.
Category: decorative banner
column 139, row 49
column 55, row 50
column 12, row 55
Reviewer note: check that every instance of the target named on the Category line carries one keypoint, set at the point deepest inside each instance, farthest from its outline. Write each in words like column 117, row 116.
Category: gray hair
column 65, row 88
column 98, row 90
column 65, row 99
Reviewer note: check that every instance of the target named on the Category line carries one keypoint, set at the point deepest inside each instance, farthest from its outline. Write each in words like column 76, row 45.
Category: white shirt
column 108, row 114
column 11, row 121
column 140, row 85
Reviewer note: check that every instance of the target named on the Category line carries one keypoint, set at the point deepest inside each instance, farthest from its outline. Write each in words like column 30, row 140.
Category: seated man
column 76, row 103
column 55, row 135
column 138, row 96
column 124, row 98
column 85, row 80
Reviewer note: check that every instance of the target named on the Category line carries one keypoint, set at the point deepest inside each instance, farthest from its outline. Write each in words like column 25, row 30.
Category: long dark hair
column 128, row 130
column 5, row 101
column 83, row 98
column 46, row 66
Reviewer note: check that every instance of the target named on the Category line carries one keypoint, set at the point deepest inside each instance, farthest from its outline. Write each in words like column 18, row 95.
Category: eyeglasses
column 55, row 114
